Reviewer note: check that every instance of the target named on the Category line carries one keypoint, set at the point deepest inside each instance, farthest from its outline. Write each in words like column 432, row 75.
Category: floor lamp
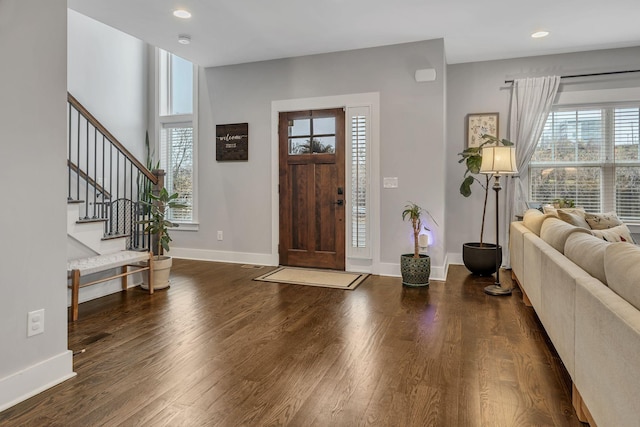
column 498, row 161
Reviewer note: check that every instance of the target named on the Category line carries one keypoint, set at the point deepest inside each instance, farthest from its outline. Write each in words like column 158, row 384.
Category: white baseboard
column 455, row 258
column 35, row 379
column 223, row 256
column 386, row 269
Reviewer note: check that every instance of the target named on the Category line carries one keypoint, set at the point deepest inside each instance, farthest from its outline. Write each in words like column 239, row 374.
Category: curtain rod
column 589, row 75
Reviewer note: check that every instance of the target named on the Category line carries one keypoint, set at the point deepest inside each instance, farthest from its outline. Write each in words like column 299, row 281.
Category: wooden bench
column 77, row 268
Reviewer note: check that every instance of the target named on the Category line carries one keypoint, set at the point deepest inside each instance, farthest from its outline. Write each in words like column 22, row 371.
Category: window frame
column 607, row 165
column 165, row 121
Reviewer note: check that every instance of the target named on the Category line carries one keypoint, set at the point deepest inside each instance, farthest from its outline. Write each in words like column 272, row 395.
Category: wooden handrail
column 83, row 175
column 87, row 115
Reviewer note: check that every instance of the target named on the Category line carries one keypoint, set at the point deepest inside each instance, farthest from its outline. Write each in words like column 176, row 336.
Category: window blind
column 589, row 155
column 176, row 155
column 359, row 181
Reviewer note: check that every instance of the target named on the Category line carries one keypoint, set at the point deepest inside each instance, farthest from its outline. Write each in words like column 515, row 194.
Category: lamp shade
column 498, row 160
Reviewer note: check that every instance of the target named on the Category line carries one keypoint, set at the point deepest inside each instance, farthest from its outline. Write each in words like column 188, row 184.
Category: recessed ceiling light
column 181, row 13
column 540, row 34
column 184, row 39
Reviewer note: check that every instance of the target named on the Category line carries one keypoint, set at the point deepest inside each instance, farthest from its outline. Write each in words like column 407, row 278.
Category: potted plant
column 479, row 257
column 415, row 267
column 158, row 225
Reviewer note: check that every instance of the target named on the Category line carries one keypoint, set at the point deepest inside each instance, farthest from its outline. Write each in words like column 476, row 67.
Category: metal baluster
column 104, row 184
column 69, row 155
column 110, row 210
column 86, row 184
column 117, row 188
column 95, row 170
column 78, row 160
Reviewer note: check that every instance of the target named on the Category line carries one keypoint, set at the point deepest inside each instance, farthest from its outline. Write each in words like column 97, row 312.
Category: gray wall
column 236, row 197
column 33, row 77
column 479, row 87
column 107, row 72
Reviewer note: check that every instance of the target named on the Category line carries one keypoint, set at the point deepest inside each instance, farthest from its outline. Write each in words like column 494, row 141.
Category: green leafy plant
column 472, row 159
column 145, row 186
column 563, row 203
column 158, row 224
column 413, row 212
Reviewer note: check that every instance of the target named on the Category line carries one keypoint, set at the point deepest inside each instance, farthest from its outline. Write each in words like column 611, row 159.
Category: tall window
column 592, row 156
column 177, row 138
column 358, row 127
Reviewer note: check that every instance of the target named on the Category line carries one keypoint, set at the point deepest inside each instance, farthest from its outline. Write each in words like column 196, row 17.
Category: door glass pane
column 299, row 146
column 299, row 127
column 324, row 144
column 324, row 126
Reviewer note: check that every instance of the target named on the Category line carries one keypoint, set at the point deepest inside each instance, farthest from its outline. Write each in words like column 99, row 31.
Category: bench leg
column 125, row 282
column 75, row 288
column 150, row 273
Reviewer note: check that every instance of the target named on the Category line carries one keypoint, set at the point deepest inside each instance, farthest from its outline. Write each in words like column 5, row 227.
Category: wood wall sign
column 232, row 142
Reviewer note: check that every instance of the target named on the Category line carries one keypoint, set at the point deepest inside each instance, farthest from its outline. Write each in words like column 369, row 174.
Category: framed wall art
column 479, row 124
column 232, row 142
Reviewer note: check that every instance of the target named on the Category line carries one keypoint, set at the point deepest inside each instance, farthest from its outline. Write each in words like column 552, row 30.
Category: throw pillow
column 602, row 221
column 549, row 209
column 573, row 217
column 619, row 233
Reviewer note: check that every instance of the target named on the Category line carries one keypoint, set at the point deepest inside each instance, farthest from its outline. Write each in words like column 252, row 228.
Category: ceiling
column 227, row 32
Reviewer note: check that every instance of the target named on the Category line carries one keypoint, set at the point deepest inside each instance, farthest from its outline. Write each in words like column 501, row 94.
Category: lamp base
column 497, row 290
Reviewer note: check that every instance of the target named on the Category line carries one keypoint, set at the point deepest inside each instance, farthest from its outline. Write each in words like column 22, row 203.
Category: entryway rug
column 314, row 277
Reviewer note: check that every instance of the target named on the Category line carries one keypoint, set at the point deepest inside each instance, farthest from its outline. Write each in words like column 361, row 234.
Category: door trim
column 372, row 100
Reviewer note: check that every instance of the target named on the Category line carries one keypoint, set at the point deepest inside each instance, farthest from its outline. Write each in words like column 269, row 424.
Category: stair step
column 90, row 220
column 74, row 202
column 115, row 236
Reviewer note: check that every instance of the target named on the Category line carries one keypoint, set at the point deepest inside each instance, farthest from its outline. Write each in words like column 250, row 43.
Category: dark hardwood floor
column 218, row 349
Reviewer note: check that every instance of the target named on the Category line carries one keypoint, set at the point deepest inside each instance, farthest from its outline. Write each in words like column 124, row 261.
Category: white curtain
column 531, row 101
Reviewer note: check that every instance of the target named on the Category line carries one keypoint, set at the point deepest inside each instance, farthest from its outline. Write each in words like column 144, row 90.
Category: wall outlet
column 219, row 235
column 35, row 322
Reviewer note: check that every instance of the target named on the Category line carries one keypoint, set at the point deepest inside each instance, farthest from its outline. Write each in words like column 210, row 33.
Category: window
column 590, row 155
column 176, row 131
column 358, row 119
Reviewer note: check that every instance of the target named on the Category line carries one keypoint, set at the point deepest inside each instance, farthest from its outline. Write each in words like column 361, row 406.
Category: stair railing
column 107, row 177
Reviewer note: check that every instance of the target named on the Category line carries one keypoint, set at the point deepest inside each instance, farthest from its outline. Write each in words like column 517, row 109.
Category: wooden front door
column 312, row 193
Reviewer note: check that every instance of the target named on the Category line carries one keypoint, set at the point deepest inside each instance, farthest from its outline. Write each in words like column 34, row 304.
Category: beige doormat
column 313, row 277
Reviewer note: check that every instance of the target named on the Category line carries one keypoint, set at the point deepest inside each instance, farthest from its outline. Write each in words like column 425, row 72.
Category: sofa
column 584, row 285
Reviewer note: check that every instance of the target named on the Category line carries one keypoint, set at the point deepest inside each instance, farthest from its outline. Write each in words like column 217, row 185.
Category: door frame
column 371, row 100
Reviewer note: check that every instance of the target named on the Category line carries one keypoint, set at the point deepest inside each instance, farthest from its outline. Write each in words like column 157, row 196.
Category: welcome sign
column 232, row 142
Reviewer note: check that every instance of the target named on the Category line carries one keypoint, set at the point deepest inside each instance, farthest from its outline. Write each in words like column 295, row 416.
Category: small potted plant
column 415, row 267
column 479, row 257
column 158, row 225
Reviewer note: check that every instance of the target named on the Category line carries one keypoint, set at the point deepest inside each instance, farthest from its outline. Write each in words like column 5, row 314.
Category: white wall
column 479, row 87
column 33, row 77
column 235, row 197
column 107, row 73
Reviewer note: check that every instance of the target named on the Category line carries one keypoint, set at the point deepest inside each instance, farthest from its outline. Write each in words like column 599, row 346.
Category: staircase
column 107, row 188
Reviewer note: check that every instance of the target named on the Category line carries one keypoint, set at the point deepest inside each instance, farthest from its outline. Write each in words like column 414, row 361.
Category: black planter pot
column 415, row 271
column 481, row 260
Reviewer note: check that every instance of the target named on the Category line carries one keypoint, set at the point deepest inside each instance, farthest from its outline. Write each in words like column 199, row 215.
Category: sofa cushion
column 619, row 233
column 602, row 221
column 548, row 209
column 587, row 252
column 533, row 220
column 622, row 268
column 555, row 231
column 573, row 217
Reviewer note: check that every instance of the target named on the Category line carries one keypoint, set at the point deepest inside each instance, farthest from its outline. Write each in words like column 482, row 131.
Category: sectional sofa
column 585, row 290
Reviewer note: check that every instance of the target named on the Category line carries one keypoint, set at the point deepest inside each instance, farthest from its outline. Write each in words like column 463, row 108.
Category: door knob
column 339, row 202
